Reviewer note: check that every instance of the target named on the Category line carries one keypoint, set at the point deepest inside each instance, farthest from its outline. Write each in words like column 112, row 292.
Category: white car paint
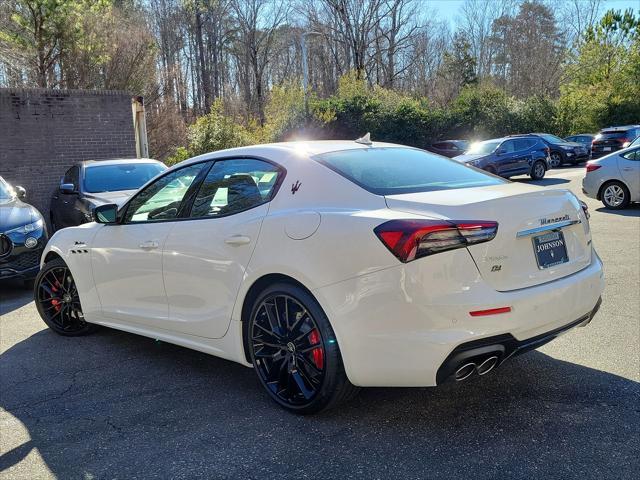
column 185, row 282
column 614, row 166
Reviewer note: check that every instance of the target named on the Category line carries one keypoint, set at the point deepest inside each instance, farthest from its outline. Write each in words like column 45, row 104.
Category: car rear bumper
column 397, row 327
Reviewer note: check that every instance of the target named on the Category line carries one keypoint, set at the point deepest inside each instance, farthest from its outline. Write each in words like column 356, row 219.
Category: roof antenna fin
column 365, row 140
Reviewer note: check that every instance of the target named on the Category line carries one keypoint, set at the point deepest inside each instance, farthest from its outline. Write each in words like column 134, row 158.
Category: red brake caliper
column 317, row 353
column 54, row 301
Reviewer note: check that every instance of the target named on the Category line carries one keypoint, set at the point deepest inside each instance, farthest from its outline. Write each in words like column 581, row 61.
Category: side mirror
column 68, row 188
column 501, row 151
column 107, row 214
column 20, row 192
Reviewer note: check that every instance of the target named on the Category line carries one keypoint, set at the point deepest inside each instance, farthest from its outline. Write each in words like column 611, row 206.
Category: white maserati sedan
column 330, row 265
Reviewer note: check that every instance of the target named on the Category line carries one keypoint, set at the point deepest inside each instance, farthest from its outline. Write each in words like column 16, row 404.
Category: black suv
column 611, row 139
column 23, row 234
column 561, row 151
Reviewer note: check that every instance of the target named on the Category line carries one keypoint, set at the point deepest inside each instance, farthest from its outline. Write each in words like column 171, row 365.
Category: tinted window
column 551, row 138
column 441, row 145
column 163, row 198
column 509, row 146
column 523, row 144
column 388, row 171
column 633, row 155
column 613, row 135
column 72, row 176
column 232, row 186
column 111, row 178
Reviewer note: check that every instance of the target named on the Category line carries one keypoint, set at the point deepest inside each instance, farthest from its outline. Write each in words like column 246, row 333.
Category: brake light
column 411, row 239
column 585, row 209
column 491, row 311
column 592, row 167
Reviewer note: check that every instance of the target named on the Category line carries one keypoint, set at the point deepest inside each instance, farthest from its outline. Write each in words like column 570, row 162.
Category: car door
column 205, row 258
column 504, row 158
column 522, row 155
column 629, row 166
column 127, row 256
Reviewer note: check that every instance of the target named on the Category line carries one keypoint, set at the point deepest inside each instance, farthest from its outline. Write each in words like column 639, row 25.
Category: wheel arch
column 607, row 182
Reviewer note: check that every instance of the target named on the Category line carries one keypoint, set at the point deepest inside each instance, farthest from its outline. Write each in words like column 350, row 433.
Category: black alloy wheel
column 58, row 302
column 294, row 351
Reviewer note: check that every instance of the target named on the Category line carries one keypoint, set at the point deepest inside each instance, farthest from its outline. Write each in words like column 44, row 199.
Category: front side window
column 163, row 198
column 522, row 144
column 232, row 186
column 393, row 170
column 483, row 148
column 72, row 176
column 509, row 146
column 124, row 176
column 633, row 155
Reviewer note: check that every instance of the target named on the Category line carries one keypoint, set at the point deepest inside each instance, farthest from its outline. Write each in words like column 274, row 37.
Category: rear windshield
column 616, row 134
column 112, row 178
column 389, row 171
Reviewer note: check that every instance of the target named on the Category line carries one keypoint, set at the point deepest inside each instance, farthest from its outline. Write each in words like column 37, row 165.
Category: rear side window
column 523, row 144
column 389, row 171
column 633, row 155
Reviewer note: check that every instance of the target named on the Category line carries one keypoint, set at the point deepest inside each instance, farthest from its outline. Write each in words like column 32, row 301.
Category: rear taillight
column 411, row 239
column 592, row 167
column 585, row 209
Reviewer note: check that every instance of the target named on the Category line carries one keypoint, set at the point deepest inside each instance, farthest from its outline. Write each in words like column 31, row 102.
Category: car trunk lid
column 529, row 218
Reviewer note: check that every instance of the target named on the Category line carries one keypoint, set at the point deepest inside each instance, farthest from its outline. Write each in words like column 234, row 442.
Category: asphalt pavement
column 116, row 405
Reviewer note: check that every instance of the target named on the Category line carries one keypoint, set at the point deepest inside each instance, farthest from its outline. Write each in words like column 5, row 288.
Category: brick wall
column 43, row 132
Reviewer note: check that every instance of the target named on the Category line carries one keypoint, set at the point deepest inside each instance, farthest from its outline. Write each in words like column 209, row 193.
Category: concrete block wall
column 43, row 132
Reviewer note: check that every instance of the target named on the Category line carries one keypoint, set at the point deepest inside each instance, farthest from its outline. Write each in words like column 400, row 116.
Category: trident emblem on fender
column 295, row 187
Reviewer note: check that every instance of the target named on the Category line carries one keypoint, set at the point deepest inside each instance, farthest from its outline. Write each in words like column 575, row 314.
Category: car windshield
column 6, row 192
column 552, row 138
column 635, row 143
column 112, row 178
column 389, row 171
column 483, row 148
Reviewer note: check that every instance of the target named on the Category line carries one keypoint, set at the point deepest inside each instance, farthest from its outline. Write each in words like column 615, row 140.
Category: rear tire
column 294, row 351
column 538, row 170
column 57, row 300
column 615, row 195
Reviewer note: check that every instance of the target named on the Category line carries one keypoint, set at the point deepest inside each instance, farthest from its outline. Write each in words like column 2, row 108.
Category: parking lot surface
column 116, row 405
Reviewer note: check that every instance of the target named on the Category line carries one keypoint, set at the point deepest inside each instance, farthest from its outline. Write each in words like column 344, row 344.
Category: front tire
column 58, row 302
column 538, row 170
column 294, row 351
column 615, row 195
column 555, row 160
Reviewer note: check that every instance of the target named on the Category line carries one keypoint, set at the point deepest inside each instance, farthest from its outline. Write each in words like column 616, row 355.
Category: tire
column 538, row 170
column 615, row 195
column 58, row 302
column 285, row 325
column 555, row 160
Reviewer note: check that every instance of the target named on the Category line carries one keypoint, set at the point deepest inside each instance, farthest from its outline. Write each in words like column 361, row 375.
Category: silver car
column 615, row 178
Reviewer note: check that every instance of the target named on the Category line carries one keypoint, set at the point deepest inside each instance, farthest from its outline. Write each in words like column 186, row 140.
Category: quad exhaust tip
column 488, row 365
column 465, row 371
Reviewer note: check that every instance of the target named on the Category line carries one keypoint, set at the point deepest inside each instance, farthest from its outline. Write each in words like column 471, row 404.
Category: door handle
column 237, row 240
column 149, row 245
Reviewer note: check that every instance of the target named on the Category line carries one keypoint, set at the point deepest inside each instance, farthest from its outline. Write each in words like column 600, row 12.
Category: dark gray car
column 89, row 184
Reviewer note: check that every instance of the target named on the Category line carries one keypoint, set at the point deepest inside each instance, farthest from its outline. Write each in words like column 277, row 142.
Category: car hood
column 467, row 157
column 570, row 144
column 15, row 213
column 101, row 198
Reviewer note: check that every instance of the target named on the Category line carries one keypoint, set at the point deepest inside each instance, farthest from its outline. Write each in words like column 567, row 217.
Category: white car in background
column 615, row 178
column 330, row 265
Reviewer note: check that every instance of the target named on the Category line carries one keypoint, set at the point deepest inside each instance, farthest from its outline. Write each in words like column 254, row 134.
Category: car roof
column 117, row 161
column 620, row 128
column 297, row 149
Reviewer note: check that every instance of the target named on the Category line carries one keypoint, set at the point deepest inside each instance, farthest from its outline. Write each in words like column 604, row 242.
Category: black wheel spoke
column 59, row 301
column 280, row 339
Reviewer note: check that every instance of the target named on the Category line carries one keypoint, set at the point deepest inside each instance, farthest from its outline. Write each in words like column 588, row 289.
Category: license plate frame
column 553, row 255
column 606, row 149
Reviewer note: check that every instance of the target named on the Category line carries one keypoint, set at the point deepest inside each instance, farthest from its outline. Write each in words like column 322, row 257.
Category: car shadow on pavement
column 119, row 405
column 13, row 295
column 631, row 211
column 545, row 182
